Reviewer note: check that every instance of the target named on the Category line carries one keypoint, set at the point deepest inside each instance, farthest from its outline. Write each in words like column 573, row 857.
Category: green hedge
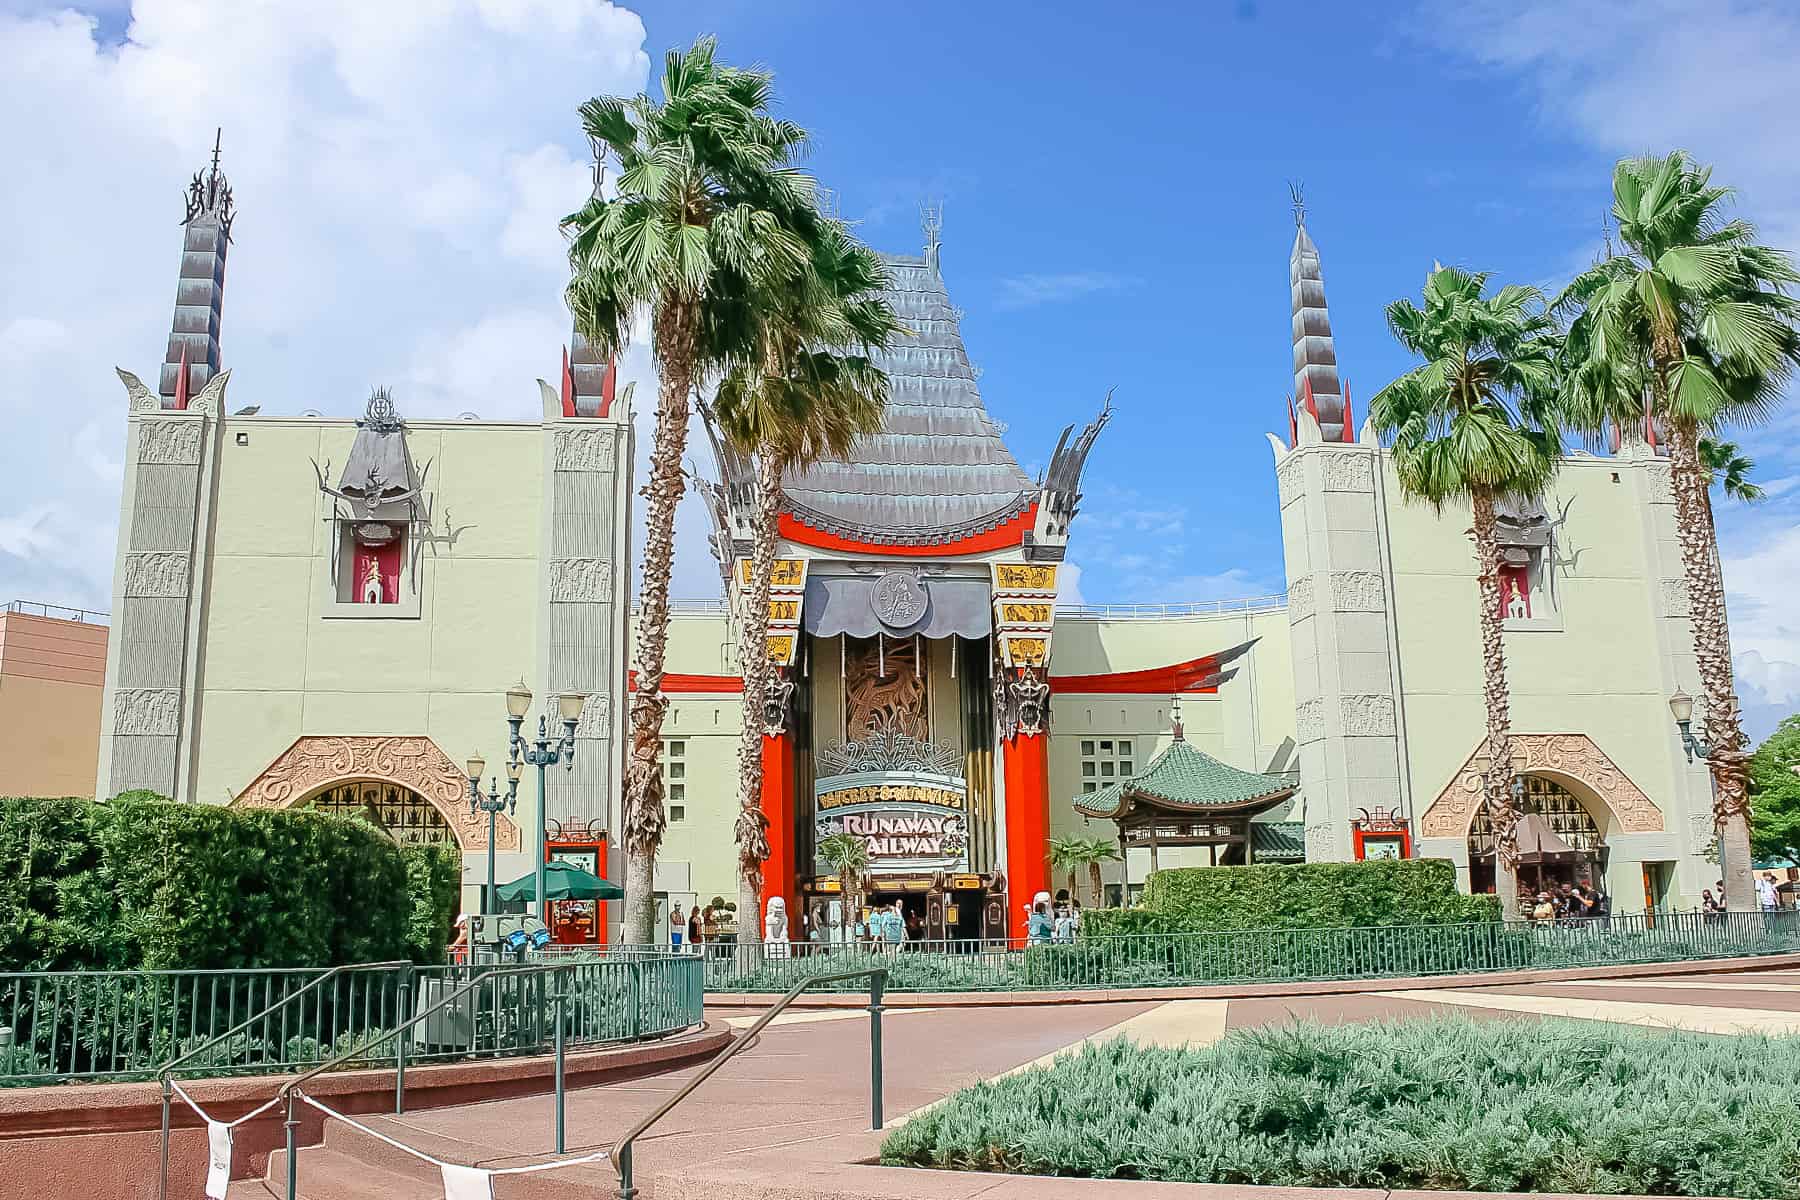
column 142, row 883
column 434, row 881
column 1353, row 895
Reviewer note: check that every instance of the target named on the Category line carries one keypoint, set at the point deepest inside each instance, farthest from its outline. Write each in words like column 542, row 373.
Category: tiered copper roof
column 938, row 471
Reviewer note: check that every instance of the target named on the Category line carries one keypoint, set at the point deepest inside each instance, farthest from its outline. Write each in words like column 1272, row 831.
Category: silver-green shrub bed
column 1444, row 1103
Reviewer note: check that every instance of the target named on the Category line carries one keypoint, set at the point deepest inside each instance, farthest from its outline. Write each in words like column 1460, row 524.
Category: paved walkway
column 807, row 1078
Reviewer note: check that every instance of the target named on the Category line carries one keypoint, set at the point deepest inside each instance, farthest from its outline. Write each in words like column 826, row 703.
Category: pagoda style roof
column 1186, row 779
column 1277, row 841
column 938, row 471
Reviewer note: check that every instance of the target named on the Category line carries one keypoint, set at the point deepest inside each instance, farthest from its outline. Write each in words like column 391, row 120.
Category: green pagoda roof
column 1185, row 779
column 1277, row 841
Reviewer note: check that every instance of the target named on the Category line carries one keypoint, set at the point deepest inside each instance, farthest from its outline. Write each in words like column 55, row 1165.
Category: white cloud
column 399, row 171
column 1646, row 76
column 1028, row 291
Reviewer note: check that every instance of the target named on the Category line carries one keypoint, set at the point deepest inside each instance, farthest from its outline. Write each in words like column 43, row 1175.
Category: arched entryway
column 415, row 786
column 1574, row 852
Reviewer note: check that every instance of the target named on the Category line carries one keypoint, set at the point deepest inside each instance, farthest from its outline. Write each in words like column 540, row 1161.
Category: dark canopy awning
column 846, row 604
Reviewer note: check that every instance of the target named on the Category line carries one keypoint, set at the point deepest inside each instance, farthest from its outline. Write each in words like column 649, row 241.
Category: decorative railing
column 98, row 1025
column 1266, row 955
column 58, row 612
column 1192, row 608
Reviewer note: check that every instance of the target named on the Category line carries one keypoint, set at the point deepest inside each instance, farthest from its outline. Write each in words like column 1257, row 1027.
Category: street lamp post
column 1681, row 707
column 491, row 804
column 541, row 752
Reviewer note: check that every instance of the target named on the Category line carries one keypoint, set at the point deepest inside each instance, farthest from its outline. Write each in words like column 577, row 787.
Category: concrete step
column 330, row 1175
column 351, row 1165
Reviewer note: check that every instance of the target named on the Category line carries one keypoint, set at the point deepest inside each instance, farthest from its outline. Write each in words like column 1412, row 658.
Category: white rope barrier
column 460, row 1182
column 218, row 1141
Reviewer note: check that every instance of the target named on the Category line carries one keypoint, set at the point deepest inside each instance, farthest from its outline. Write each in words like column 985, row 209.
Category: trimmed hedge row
column 1353, row 895
column 139, row 882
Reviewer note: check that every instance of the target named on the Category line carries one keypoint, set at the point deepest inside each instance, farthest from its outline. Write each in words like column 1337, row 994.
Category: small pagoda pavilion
column 1186, row 797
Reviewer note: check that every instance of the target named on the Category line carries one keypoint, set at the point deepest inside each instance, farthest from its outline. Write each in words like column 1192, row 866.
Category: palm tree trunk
column 644, row 816
column 1712, row 654
column 1094, row 880
column 753, row 655
column 1497, row 780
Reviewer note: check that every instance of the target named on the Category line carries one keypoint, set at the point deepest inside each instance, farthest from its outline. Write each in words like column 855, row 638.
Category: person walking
column 1065, row 925
column 1039, row 928
column 1766, row 893
column 677, row 924
column 696, row 931
column 1544, row 911
column 1710, row 906
column 893, row 928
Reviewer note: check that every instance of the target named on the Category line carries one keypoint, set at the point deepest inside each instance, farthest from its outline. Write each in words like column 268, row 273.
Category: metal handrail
column 620, row 1154
column 167, row 1072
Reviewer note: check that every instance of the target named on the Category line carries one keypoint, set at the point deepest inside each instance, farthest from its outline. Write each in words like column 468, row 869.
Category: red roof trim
column 1152, row 681
column 568, row 392
column 676, row 684
column 1008, row 533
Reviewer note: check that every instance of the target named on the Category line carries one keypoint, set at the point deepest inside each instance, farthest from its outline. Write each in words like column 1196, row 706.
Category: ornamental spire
column 1316, row 387
column 589, row 383
column 193, row 354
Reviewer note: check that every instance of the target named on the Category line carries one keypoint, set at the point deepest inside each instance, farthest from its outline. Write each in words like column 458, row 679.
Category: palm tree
column 848, row 856
column 1729, row 468
column 1689, row 328
column 1071, row 854
column 1476, row 422
column 812, row 393
column 706, row 217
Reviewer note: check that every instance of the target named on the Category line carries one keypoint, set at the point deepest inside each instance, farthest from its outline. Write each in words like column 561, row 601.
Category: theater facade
column 325, row 612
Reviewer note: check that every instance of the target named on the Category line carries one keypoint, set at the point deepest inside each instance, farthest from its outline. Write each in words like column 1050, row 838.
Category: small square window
column 1087, row 769
column 677, row 791
column 1089, row 787
column 676, row 813
column 1106, row 747
column 677, row 749
column 1125, row 766
column 1106, row 770
column 677, row 770
column 1087, row 747
column 1124, row 747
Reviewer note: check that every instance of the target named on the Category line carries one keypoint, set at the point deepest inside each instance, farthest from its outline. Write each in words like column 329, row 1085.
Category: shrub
column 145, row 883
column 434, row 881
column 1443, row 1103
column 1413, row 891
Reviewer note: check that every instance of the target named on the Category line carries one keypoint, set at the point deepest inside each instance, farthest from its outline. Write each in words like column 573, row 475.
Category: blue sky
column 1116, row 217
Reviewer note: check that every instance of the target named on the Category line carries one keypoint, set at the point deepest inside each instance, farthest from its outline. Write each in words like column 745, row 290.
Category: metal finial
column 931, row 218
column 1175, row 715
column 1297, row 194
column 218, row 137
column 599, row 149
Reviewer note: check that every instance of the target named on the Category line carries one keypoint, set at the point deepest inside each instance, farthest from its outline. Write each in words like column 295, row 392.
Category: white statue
column 1517, row 608
column 775, row 929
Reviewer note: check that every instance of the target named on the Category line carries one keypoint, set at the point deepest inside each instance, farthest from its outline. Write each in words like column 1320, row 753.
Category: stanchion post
column 626, row 1190
column 557, row 1002
column 877, row 984
column 162, row 1182
column 293, row 1146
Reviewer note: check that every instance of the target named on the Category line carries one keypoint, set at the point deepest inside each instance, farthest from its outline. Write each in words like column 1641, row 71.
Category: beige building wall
column 1600, row 661
column 52, row 676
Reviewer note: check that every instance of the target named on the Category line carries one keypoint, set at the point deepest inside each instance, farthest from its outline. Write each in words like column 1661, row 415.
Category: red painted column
column 778, row 807
column 1026, row 762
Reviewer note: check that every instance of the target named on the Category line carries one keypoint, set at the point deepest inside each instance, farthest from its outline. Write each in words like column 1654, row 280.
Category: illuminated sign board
column 911, row 820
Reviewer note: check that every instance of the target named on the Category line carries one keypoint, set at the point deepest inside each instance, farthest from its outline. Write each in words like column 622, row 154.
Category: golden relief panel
column 1024, row 577
column 781, row 649
column 784, row 611
column 786, row 573
column 1025, row 614
column 1028, row 652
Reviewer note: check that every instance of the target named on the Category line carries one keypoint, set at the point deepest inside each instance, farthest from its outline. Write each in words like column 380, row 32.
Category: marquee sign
column 911, row 820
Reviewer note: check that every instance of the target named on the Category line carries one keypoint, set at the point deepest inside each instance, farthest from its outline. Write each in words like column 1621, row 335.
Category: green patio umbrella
column 563, row 881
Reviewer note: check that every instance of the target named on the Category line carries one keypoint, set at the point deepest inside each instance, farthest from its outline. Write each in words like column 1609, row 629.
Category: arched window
column 408, row 817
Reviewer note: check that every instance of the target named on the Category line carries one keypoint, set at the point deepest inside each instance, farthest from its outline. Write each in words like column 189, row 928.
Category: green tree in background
column 1775, row 794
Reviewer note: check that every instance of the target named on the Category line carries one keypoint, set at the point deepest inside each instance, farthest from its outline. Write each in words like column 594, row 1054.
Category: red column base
column 1026, row 762
column 778, row 808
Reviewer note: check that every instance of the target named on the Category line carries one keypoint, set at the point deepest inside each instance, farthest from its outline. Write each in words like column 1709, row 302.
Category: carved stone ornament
column 140, row 397
column 1023, row 703
column 1320, row 841
column 1675, row 602
column 173, row 441
column 1289, row 480
column 580, row 580
column 899, row 600
column 1300, row 599
column 1657, row 481
column 147, row 712
column 777, row 705
column 596, row 717
column 1564, row 757
column 887, row 747
column 1358, row 591
column 156, row 573
column 1309, row 721
column 1349, row 472
column 211, row 399
column 1367, row 715
column 312, row 764
column 586, row 449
